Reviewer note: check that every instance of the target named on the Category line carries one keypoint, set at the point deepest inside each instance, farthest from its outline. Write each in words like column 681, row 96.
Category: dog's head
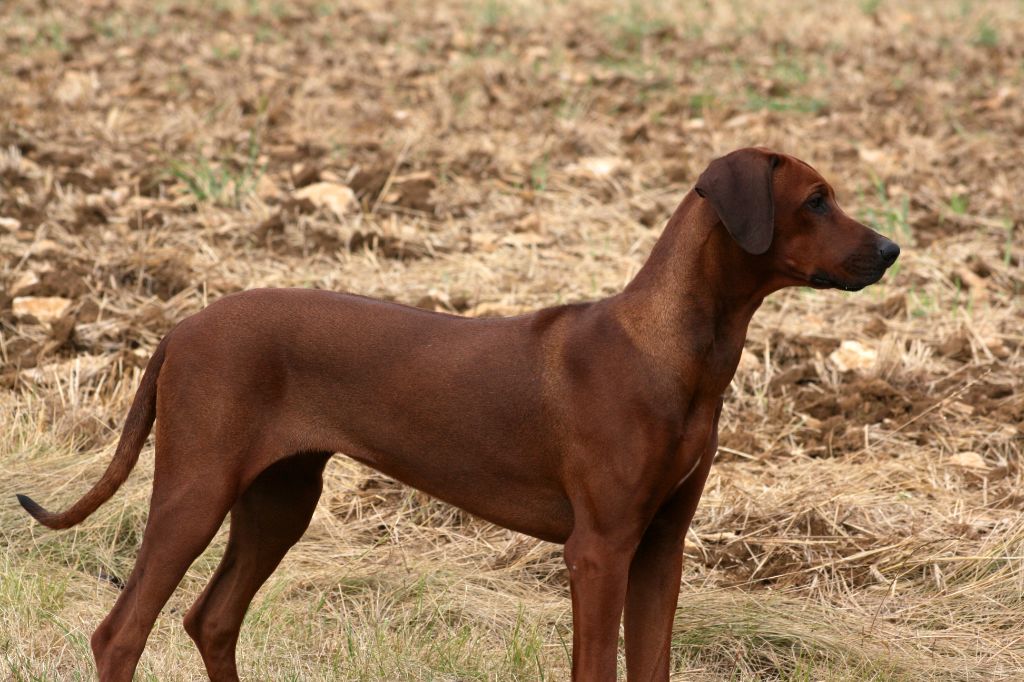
column 781, row 211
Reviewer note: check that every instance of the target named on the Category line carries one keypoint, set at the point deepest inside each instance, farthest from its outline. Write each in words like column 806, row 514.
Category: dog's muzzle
column 861, row 269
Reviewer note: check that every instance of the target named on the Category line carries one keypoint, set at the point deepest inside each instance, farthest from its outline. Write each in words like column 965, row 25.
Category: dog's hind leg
column 185, row 512
column 268, row 518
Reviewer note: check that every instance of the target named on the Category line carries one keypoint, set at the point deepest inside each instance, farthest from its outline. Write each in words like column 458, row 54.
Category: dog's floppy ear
column 739, row 187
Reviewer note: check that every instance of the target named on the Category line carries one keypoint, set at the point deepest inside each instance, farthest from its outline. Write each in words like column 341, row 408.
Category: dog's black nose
column 889, row 251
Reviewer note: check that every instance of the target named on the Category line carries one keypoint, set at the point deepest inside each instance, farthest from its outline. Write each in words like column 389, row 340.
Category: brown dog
column 592, row 425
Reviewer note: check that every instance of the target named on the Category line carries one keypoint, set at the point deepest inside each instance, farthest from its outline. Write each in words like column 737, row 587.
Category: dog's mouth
column 859, row 270
column 822, row 280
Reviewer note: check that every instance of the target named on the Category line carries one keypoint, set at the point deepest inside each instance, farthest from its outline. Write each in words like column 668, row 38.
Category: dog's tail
column 137, row 426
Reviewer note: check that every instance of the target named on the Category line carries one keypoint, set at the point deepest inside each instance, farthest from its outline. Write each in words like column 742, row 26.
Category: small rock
column 337, row 198
column 957, row 347
column 115, row 197
column 748, row 362
column 10, row 224
column 872, row 155
column 961, row 408
column 45, row 246
column 596, row 166
column 812, row 424
column 637, row 132
column 23, row 282
column 875, row 327
column 44, row 309
column 739, row 121
column 76, row 88
column 977, row 287
column 968, row 460
column 998, row 348
column 853, row 356
column 304, row 175
column 524, row 239
column 411, row 191
column 266, row 189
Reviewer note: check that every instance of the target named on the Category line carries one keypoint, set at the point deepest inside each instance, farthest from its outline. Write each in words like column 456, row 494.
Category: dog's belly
column 487, row 453
column 530, row 507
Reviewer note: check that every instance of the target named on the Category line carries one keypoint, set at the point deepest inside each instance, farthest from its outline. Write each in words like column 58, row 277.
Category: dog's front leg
column 654, row 574
column 598, row 572
column 654, row 582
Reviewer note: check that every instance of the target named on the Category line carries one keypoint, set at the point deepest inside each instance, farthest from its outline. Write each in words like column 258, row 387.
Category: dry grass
column 149, row 156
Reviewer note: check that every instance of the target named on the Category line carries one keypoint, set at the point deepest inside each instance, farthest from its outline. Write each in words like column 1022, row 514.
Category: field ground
column 863, row 520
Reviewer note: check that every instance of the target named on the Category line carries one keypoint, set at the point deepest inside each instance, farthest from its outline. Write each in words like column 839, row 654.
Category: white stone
column 596, row 166
column 337, row 198
column 853, row 355
column 46, row 309
column 968, row 460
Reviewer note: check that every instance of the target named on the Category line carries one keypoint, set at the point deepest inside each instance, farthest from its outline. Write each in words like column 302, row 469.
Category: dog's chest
column 695, row 437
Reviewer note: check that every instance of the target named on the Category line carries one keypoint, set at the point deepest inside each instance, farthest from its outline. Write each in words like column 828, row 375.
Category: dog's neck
column 697, row 291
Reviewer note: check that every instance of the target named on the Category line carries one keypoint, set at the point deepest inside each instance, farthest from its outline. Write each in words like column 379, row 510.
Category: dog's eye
column 818, row 203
